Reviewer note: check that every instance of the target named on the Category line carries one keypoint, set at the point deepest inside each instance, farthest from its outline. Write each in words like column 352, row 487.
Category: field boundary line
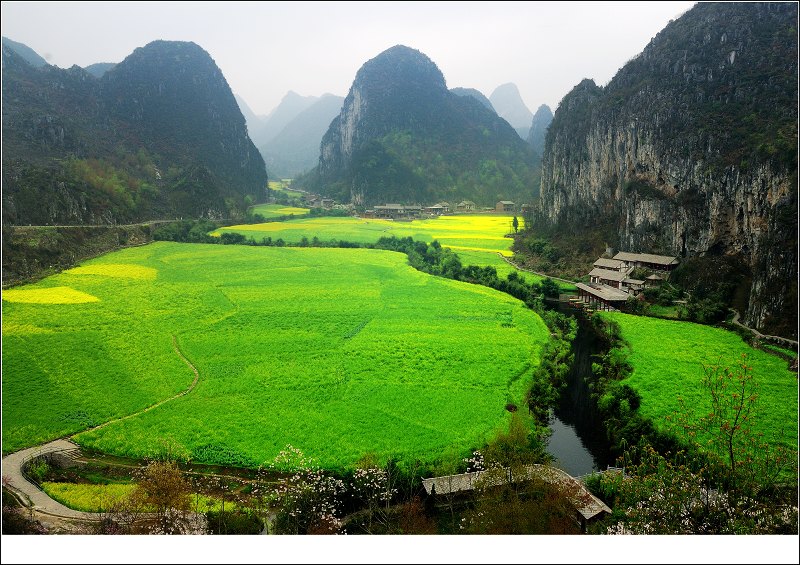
column 190, row 388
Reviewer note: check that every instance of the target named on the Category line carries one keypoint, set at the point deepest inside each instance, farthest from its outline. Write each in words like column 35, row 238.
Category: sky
column 266, row 49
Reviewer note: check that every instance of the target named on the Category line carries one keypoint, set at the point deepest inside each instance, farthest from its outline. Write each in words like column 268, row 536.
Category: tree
column 512, row 497
column 308, row 500
column 674, row 495
column 515, row 224
column 162, row 490
column 371, row 484
column 727, row 434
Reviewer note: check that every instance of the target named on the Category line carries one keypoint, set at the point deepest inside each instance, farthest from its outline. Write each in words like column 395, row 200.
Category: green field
column 102, row 498
column 278, row 210
column 461, row 233
column 668, row 358
column 338, row 352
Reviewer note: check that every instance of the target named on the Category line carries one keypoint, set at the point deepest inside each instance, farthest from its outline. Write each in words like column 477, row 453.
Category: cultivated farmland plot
column 339, row 352
column 278, row 210
column 484, row 233
column 668, row 358
column 477, row 239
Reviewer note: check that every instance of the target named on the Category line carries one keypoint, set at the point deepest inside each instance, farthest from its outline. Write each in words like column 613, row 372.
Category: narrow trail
column 543, row 275
column 180, row 354
column 758, row 334
column 36, row 499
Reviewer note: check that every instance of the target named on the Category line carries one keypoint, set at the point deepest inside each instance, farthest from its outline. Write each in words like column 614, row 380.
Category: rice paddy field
column 668, row 358
column 278, row 210
column 338, row 352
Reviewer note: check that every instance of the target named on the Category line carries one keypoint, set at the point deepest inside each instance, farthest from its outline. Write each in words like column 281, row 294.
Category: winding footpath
column 47, row 510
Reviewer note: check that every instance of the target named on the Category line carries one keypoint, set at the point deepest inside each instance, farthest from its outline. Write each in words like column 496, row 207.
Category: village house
column 610, row 284
column 394, row 212
column 505, row 206
column 438, row 209
column 465, row 206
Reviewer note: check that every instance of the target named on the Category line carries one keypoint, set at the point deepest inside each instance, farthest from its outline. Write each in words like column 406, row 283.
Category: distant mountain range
column 476, row 94
column 295, row 149
column 536, row 136
column 402, row 136
column 157, row 135
column 99, row 69
column 26, row 53
column 508, row 104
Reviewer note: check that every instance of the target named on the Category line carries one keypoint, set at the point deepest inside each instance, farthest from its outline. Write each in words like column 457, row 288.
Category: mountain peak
column 508, row 103
column 402, row 136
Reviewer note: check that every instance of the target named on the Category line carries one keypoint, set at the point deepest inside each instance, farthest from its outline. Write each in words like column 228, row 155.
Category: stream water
column 578, row 441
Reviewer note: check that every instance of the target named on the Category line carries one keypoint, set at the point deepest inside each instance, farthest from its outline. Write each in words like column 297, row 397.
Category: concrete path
column 29, row 493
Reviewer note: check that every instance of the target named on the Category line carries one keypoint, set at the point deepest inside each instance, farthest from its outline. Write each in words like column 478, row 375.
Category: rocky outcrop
column 159, row 135
column 402, row 136
column 691, row 149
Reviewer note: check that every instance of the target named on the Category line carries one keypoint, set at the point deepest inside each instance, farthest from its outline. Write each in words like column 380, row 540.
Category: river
column 578, row 441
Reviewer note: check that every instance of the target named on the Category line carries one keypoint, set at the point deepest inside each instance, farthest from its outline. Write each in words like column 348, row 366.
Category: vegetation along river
column 578, row 441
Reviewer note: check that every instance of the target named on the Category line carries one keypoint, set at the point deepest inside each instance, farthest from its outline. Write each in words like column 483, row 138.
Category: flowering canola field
column 468, row 232
column 339, row 352
column 668, row 357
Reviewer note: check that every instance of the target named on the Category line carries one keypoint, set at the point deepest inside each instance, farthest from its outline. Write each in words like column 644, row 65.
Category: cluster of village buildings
column 411, row 212
column 402, row 212
column 610, row 283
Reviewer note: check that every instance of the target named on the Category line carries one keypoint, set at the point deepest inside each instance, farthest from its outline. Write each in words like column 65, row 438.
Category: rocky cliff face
column 158, row 135
column 691, row 149
column 402, row 136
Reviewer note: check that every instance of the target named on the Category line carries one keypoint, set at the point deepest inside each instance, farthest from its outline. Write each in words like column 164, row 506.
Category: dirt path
column 180, row 354
column 33, row 497
column 543, row 275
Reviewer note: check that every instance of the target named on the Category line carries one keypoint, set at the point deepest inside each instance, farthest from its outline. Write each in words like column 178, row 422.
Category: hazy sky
column 266, row 49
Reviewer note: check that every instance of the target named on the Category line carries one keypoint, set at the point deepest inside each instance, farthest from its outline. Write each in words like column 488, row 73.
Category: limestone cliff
column 402, row 136
column 691, row 149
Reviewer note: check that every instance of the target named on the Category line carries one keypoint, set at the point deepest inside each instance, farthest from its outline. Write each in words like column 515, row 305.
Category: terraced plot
column 339, row 352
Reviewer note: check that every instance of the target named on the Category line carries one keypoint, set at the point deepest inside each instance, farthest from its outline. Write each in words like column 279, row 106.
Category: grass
column 339, row 352
column 660, row 311
column 668, row 358
column 278, row 210
column 792, row 353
